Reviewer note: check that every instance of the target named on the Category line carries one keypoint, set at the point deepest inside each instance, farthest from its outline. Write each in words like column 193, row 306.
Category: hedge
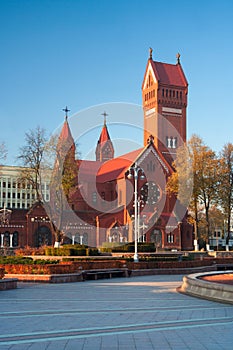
column 142, row 248
column 71, row 250
column 18, row 260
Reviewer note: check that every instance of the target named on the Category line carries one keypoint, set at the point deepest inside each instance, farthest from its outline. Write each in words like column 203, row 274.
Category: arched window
column 15, row 239
column 43, row 236
column 85, row 238
column 156, row 237
column 81, row 238
column 6, row 240
column 174, row 142
column 170, row 238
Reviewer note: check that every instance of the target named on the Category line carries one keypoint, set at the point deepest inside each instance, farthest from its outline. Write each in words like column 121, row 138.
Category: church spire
column 104, row 149
column 66, row 144
column 65, row 135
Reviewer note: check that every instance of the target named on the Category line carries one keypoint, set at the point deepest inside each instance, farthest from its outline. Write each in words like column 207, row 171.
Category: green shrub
column 45, row 261
column 92, row 251
column 16, row 260
column 48, row 251
column 105, row 250
column 124, row 248
column 146, row 247
column 112, row 244
column 79, row 252
column 130, row 247
column 66, row 250
column 19, row 260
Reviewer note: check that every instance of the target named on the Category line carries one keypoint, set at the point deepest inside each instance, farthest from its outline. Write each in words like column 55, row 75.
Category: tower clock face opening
column 151, row 193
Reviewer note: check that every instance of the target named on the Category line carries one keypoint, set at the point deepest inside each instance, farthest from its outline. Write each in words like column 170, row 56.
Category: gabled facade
column 158, row 214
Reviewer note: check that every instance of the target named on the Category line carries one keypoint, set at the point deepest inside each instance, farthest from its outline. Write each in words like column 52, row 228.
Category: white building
column 15, row 194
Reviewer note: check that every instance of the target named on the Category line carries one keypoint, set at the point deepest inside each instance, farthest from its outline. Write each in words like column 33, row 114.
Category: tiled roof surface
column 116, row 168
column 88, row 168
column 112, row 169
column 104, row 136
column 169, row 74
column 65, row 132
column 65, row 140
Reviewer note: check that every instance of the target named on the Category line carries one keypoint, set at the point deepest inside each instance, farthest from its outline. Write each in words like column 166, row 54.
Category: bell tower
column 104, row 149
column 164, row 94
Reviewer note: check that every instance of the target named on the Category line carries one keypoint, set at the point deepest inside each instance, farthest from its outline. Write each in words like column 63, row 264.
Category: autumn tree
column 195, row 178
column 207, row 164
column 225, row 192
column 216, row 223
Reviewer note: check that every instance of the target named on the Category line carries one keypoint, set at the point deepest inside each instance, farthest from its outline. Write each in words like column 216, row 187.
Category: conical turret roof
column 104, row 136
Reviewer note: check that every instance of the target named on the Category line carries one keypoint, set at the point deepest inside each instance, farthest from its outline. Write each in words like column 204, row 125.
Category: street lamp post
column 134, row 174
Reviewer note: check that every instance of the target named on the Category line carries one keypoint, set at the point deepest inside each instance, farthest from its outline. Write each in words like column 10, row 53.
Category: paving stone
column 137, row 313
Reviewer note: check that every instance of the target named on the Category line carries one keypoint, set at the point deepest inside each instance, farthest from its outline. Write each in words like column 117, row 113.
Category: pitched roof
column 65, row 140
column 169, row 74
column 116, row 167
column 104, row 136
column 65, row 133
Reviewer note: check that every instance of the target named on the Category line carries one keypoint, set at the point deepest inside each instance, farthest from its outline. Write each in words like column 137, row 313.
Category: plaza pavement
column 143, row 313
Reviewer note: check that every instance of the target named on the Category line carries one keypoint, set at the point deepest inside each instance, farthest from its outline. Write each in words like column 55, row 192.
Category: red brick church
column 110, row 191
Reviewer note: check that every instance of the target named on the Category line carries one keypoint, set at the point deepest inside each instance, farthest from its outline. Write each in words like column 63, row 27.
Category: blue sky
column 83, row 53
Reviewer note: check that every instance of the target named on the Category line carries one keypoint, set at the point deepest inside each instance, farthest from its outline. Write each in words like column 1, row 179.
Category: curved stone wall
column 193, row 285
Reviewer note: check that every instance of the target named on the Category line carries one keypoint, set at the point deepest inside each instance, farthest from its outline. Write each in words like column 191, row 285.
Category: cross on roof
column 66, row 110
column 105, row 115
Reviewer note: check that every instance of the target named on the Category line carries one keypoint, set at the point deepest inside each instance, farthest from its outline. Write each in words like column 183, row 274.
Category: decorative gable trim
column 146, row 153
column 149, row 70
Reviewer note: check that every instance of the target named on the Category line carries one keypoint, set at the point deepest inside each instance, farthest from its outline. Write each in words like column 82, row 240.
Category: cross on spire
column 66, row 110
column 105, row 115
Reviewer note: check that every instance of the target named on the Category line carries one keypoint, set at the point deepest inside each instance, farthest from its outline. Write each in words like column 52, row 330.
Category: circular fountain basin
column 216, row 286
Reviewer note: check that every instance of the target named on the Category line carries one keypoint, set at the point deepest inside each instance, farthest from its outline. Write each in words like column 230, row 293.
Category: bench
column 105, row 273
